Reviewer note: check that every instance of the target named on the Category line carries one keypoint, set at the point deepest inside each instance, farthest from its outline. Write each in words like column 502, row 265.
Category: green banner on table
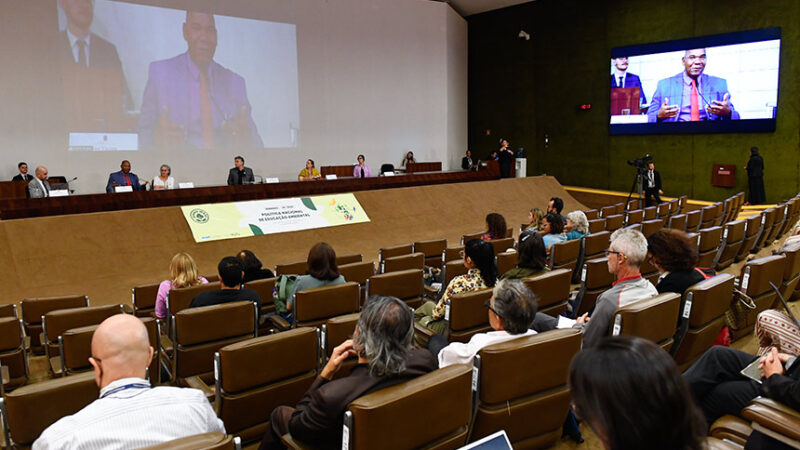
column 215, row 221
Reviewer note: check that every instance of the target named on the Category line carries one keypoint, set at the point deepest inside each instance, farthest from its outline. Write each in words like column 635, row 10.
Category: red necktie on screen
column 127, row 180
column 693, row 102
column 205, row 113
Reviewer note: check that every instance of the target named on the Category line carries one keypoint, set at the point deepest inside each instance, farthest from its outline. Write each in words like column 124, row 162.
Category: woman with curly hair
column 674, row 255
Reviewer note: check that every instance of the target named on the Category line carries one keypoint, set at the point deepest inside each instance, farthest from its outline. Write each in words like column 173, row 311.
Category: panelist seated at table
column 409, row 158
column 191, row 101
column 164, row 180
column 691, row 95
column 310, row 172
column 23, row 174
column 361, row 170
column 239, row 174
column 39, row 187
column 124, row 178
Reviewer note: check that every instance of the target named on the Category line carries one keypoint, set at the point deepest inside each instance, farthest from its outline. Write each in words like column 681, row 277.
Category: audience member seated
column 322, row 271
column 493, row 156
column 630, row 392
column 776, row 329
column 231, row 273
column 164, row 180
column 535, row 217
column 382, row 341
column 182, row 273
column 552, row 229
column 626, row 253
column 674, row 255
column 39, row 187
column 130, row 413
column 495, row 227
column 532, row 257
column 577, row 225
column 309, row 173
column 467, row 163
column 361, row 170
column 252, row 267
column 23, row 174
column 239, row 173
column 481, row 273
column 556, row 205
column 409, row 158
column 124, row 178
column 511, row 310
column 720, row 388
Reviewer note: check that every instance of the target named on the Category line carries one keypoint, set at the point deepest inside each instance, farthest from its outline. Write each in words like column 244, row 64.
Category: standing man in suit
column 39, row 187
column 124, row 178
column 652, row 185
column 191, row 101
column 691, row 95
column 23, row 174
column 240, row 174
column 622, row 79
column 96, row 95
column 755, row 178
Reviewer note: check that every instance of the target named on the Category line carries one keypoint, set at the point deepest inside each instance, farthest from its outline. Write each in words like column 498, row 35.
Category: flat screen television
column 708, row 84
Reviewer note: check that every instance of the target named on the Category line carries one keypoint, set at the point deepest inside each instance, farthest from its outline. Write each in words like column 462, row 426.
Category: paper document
column 565, row 322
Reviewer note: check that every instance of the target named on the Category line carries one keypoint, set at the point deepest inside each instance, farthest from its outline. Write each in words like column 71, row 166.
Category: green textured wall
column 526, row 90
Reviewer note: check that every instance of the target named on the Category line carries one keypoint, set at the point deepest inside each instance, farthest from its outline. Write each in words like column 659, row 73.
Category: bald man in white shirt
column 129, row 413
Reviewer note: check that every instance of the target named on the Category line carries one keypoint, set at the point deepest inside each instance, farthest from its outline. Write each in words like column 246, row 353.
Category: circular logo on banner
column 199, row 215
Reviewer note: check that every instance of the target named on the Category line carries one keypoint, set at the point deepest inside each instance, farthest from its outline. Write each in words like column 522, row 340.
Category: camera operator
column 652, row 184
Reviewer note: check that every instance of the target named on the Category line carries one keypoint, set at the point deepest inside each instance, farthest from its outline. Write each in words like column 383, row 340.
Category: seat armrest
column 42, row 341
column 294, row 444
column 430, row 292
column 4, row 374
column 196, row 383
column 279, row 322
column 774, row 417
column 422, row 334
column 55, row 366
column 731, row 428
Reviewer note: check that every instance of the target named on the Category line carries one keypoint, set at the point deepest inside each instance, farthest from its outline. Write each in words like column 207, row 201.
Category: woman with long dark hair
column 673, row 254
column 552, row 228
column 495, row 227
column 481, row 274
column 531, row 254
column 322, row 271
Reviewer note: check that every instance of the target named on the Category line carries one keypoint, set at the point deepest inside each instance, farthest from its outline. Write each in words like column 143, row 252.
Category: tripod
column 637, row 185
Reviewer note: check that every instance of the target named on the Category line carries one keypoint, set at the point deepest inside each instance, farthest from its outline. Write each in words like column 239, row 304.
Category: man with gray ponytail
column 382, row 342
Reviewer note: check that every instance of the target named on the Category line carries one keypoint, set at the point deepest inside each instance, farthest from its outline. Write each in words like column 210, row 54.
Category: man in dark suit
column 622, row 79
column 383, row 344
column 652, row 185
column 467, row 163
column 240, row 174
column 124, row 178
column 39, row 187
column 23, row 174
column 96, row 95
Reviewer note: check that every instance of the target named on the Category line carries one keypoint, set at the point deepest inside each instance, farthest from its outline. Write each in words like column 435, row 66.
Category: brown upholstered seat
column 205, row 441
column 34, row 308
column 653, row 318
column 552, row 291
column 360, row 273
column 754, row 281
column 55, row 323
column 595, row 279
column 468, row 237
column 519, row 394
column 791, row 271
column 775, row 420
column 465, row 317
column 506, row 261
column 694, row 240
column 9, row 310
column 663, row 211
column 595, row 244
column 407, row 285
column 12, row 352
column 790, row 216
column 597, row 225
column 683, row 203
column 180, row 299
column 768, row 219
column 753, row 229
column 708, row 247
column 614, row 222
column 709, row 214
column 144, row 299
column 591, row 214
column 609, row 210
column 564, row 255
column 198, row 332
column 635, row 216
column 674, row 206
column 432, row 250
column 30, row 409
column 312, row 307
column 777, row 223
column 264, row 288
column 255, row 376
column 395, row 250
column 649, row 271
column 650, row 213
column 452, row 253
column 349, row 259
column 635, row 226
column 693, row 220
column 451, row 270
column 732, row 239
column 651, row 226
column 677, row 222
column 705, row 304
column 291, row 268
column 501, row 245
column 334, row 332
column 403, row 262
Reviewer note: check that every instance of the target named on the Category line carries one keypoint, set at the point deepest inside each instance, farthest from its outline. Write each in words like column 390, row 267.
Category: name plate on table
column 123, row 188
column 272, row 180
column 186, row 185
column 59, row 193
column 331, row 176
column 388, row 174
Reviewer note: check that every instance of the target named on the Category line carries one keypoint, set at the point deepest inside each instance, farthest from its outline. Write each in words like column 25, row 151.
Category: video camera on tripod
column 641, row 163
column 641, row 167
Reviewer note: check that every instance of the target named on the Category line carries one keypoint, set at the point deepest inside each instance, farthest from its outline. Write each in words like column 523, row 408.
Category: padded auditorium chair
column 652, row 318
column 395, row 250
column 255, row 376
column 13, row 357
column 651, row 226
column 314, row 306
column 634, row 216
column 55, row 323
column 468, row 237
column 515, row 392
column 435, row 408
column 649, row 271
column 180, row 299
column 452, row 253
column 791, row 271
column 769, row 417
column 506, row 261
column 606, row 211
column 677, row 222
column 349, row 259
column 334, row 332
column 29, row 410
column 552, row 291
column 777, row 224
column 564, row 255
column 466, row 316
column 591, row 214
column 702, row 318
column 768, row 219
column 791, row 216
column 199, row 332
column 403, row 262
column 662, row 211
column 360, row 273
column 595, row 244
column 755, row 280
column 264, row 288
column 595, row 279
column 620, row 207
column 650, row 213
column 407, row 285
column 432, row 250
column 144, row 299
column 614, row 222
column 635, row 226
column 693, row 221
column 683, row 201
column 501, row 245
column 674, row 207
column 205, row 441
column 597, row 225
column 34, row 308
column 9, row 310
column 732, row 240
column 709, row 215
column 451, row 270
column 753, row 229
column 291, row 268
column 710, row 239
column 75, row 348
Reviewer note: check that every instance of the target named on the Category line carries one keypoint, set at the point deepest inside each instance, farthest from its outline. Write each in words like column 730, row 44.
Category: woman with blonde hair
column 182, row 273
column 535, row 217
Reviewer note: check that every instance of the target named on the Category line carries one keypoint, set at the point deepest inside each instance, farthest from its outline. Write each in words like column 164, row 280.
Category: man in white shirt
column 38, row 186
column 511, row 311
column 129, row 413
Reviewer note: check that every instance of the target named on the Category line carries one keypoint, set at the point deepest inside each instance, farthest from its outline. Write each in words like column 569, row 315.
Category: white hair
column 631, row 243
column 579, row 221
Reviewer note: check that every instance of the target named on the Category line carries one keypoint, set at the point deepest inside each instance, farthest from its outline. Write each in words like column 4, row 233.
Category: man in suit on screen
column 191, row 101
column 621, row 78
column 691, row 95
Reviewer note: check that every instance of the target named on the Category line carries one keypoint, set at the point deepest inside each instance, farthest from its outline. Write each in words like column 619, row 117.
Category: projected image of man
column 692, row 95
column 96, row 95
column 621, row 78
column 191, row 101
